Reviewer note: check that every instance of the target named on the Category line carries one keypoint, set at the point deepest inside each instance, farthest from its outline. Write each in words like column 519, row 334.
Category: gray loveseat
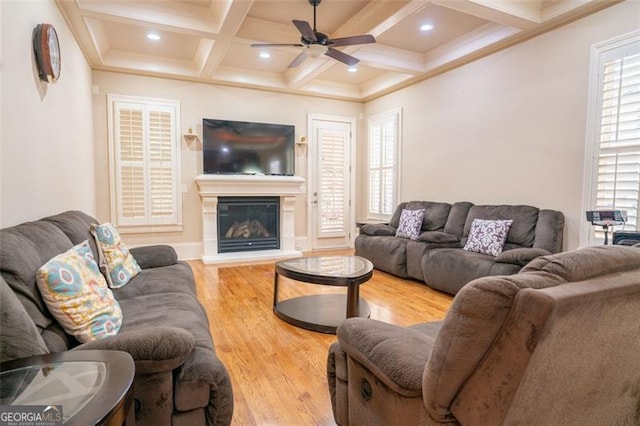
column 179, row 379
column 438, row 258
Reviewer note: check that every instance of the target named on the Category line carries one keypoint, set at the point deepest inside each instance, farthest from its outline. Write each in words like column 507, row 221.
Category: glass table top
column 329, row 266
column 71, row 384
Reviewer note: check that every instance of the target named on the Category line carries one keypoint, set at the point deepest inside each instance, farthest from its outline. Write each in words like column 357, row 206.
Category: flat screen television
column 239, row 147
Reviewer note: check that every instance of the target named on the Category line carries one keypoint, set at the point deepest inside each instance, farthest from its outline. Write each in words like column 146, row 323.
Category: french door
column 330, row 189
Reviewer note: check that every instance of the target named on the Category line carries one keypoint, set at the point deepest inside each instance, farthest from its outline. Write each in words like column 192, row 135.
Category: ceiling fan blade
column 342, row 57
column 305, row 29
column 298, row 60
column 276, row 44
column 349, row 41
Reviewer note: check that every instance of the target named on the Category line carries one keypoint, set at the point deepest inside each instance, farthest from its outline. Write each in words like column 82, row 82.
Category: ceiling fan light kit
column 316, row 44
column 317, row 50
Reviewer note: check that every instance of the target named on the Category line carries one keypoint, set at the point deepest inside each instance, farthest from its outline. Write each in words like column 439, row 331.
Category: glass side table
column 93, row 387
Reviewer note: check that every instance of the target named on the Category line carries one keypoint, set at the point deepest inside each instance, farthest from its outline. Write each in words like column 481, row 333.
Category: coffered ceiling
column 209, row 40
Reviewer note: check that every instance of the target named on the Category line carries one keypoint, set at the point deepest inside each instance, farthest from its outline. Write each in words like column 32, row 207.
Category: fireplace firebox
column 248, row 224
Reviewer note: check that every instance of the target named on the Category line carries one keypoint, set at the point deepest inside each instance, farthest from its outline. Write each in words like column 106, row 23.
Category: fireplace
column 215, row 188
column 248, row 224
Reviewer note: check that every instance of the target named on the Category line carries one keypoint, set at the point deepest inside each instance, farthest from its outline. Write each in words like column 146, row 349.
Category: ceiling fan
column 316, row 44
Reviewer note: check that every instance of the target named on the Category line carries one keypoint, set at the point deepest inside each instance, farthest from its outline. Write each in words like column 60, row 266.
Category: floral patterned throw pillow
column 488, row 236
column 410, row 224
column 77, row 295
column 117, row 264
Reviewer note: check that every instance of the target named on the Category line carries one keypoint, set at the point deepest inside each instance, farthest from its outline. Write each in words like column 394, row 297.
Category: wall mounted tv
column 239, row 147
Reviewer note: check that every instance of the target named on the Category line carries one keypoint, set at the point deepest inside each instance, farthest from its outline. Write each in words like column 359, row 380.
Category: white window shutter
column 618, row 162
column 333, row 183
column 145, row 164
column 384, row 140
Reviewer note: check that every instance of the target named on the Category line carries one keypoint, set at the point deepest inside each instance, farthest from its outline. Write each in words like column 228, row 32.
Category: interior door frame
column 312, row 177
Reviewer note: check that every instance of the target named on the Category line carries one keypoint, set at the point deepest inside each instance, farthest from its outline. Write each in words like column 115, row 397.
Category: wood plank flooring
column 278, row 371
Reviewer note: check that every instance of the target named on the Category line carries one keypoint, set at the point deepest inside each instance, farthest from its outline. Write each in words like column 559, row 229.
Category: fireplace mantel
column 210, row 187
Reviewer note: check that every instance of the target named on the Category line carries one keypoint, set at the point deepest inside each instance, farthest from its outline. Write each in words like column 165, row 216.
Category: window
column 614, row 129
column 144, row 149
column 384, row 153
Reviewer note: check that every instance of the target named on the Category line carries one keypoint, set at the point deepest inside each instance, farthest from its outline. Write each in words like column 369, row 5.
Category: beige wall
column 509, row 128
column 47, row 149
column 200, row 101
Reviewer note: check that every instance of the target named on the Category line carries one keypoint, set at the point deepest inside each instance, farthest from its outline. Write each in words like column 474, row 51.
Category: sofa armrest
column 154, row 349
column 378, row 229
column 396, row 355
column 154, row 256
column 437, row 237
column 521, row 256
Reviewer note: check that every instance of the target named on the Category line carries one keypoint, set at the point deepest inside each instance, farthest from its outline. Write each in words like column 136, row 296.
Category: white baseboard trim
column 250, row 256
column 188, row 251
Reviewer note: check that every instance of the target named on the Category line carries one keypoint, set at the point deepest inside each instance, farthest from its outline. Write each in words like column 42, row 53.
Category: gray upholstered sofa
column 438, row 258
column 555, row 344
column 179, row 379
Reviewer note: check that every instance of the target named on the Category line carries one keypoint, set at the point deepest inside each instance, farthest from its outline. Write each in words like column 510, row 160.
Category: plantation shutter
column 145, row 194
column 383, row 148
column 333, row 184
column 131, row 186
column 161, row 153
column 618, row 172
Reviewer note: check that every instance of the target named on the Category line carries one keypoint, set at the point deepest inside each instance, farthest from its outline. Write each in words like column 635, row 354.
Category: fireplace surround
column 213, row 187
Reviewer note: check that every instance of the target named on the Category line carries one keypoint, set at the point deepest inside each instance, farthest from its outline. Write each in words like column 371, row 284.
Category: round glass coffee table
column 323, row 312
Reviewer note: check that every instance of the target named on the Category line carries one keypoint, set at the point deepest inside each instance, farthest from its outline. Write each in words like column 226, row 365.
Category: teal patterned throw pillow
column 116, row 262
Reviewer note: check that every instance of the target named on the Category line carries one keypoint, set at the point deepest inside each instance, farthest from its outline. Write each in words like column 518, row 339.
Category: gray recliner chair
column 555, row 344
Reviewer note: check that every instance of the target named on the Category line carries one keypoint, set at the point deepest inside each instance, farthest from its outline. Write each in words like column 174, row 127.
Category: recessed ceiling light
column 426, row 27
column 352, row 69
column 265, row 55
column 153, row 36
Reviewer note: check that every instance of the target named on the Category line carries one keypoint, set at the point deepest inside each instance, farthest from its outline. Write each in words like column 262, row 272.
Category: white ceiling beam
column 119, row 59
column 184, row 19
column 383, row 82
column 232, row 21
column 261, row 31
column 391, row 59
column 468, row 44
column 76, row 23
column 510, row 13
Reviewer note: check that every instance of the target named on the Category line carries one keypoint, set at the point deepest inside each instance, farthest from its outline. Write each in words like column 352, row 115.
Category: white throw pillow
column 410, row 224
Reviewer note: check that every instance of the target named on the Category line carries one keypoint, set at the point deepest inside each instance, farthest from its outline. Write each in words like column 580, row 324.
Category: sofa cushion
column 437, row 237
column 410, row 224
column 487, row 236
column 396, row 355
column 116, row 263
column 520, row 256
column 387, row 254
column 76, row 225
column 522, row 231
column 478, row 314
column 467, row 333
column 435, row 214
column 154, row 256
column 77, row 295
column 23, row 249
column 177, row 278
column 19, row 336
column 457, row 218
column 154, row 349
column 377, row 229
column 202, row 370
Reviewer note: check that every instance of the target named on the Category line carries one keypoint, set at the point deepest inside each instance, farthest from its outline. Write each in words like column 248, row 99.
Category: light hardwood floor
column 278, row 371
